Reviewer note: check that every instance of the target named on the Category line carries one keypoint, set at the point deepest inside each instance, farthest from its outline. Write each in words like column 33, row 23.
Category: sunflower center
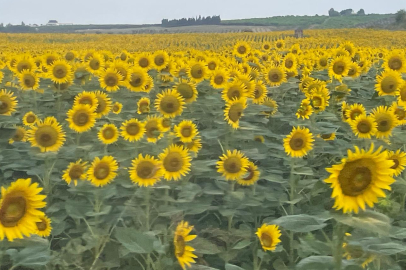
column 29, row 81
column 396, row 163
column 101, row 105
column 102, row 170
column 356, row 176
column 159, row 60
column 5, row 104
column 250, row 174
column 144, row 107
column 232, row 165
column 42, row 225
column 323, row 62
column 30, row 119
column 355, row 113
column 145, row 169
column 351, row 71
column 364, row 127
column 389, row 85
column 288, row 63
column 109, row 133
column 143, row 62
column 180, row 245
column 274, row 76
column 173, row 162
column 196, row 72
column 18, row 135
column 111, row 80
column 94, row 64
column 133, row 129
column 50, row 60
column 185, row 90
column 257, row 92
column 76, row 171
column 242, row 50
column 266, row 240
column 212, row 66
column 395, row 63
column 60, row 72
column 266, row 47
column 136, row 80
column 400, row 113
column 219, row 79
column 326, row 136
column 384, row 125
column 186, row 132
column 13, row 209
column 170, row 104
column 317, row 101
column 296, row 143
column 81, row 118
column 69, row 56
column 46, row 136
column 339, row 68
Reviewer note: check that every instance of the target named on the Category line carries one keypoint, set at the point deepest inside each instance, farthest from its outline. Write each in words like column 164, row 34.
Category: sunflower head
column 47, row 135
column 269, row 236
column 103, row 104
column 275, row 75
column 187, row 90
column 145, row 171
column 8, row 102
column 143, row 105
column 108, row 134
column 169, row 103
column 75, row 171
column 110, row 79
column 233, row 165
column 184, row 252
column 251, row 176
column 386, row 121
column 234, row 111
column 388, row 83
column 399, row 160
column 175, row 162
column 28, row 80
column 60, row 72
column 186, row 131
column 132, row 130
column 102, row 171
column 81, row 118
column 137, row 79
column 299, row 142
column 19, row 135
column 43, row 227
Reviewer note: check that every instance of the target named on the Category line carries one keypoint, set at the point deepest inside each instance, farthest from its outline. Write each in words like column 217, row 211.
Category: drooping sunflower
column 60, row 72
column 186, row 131
column 86, row 98
column 19, row 135
column 122, row 68
column 132, row 130
column 241, row 49
column 341, row 91
column 30, row 119
column 81, row 118
column 322, row 62
column 299, row 142
column 364, row 126
column 43, row 227
column 75, row 171
column 327, row 136
column 108, row 134
column 153, row 129
column 137, row 80
column 399, row 159
column 339, row 67
column 8, row 102
column 386, row 120
column 47, row 135
column 187, row 90
column 233, row 165
column 145, row 171
column 234, row 111
column 183, row 252
column 25, row 62
column 143, row 105
column 234, row 90
column 353, row 111
column 169, row 103
column 28, row 80
column 305, row 109
column 175, row 162
column 271, row 104
column 360, row 179
column 395, row 61
column 388, row 83
column 219, row 78
column 275, row 75
column 251, row 177
column 102, row 171
column 269, row 236
column 103, row 104
column 19, row 209
column 110, row 79
column 400, row 113
column 259, row 138
column 260, row 92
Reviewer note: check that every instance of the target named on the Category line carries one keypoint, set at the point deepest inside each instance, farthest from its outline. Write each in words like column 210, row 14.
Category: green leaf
column 204, row 246
column 233, row 267
column 316, row 263
column 35, row 254
column 135, row 241
column 387, row 248
column 301, row 223
column 242, row 244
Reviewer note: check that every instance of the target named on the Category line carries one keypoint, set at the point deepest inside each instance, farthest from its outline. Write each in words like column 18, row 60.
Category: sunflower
column 25, row 62
column 339, row 67
column 197, row 71
column 102, row 171
column 43, row 227
column 354, row 70
column 117, row 106
column 360, row 179
column 279, row 44
column 234, row 111
column 233, row 165
column 259, row 138
column 402, row 94
column 19, row 212
column 103, row 104
column 212, row 64
column 19, row 135
column 356, row 252
column 327, row 136
column 388, row 83
column 399, row 159
column 108, row 134
column 110, row 79
column 186, row 131
column 28, row 80
column 305, row 82
column 143, row 105
column 353, row 111
column 145, row 171
column 95, row 63
column 70, row 56
column 122, row 68
column 187, row 90
column 271, row 104
column 75, row 171
column 400, row 113
column 47, row 135
column 299, row 142
column 81, row 118
column 86, row 98
column 322, row 62
column 132, row 130
column 275, row 75
column 144, row 61
column 195, row 145
column 137, row 79
column 251, row 176
column 60, row 72
column 290, row 62
column 386, row 120
column 1, row 76
column 30, row 119
column 175, row 162
column 153, row 129
column 160, row 59
column 234, row 90
column 395, row 61
column 260, row 92
column 166, row 124
column 183, row 252
column 364, row 126
column 8, row 102
column 169, row 103
column 241, row 49
column 50, row 58
column 305, row 109
column 341, row 91
column 269, row 236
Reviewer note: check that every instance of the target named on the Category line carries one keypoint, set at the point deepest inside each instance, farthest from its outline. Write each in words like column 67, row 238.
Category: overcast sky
column 152, row 11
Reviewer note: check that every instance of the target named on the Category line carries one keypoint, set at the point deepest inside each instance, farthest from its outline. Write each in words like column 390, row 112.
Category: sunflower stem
column 78, row 138
column 292, row 195
column 147, row 208
column 339, row 232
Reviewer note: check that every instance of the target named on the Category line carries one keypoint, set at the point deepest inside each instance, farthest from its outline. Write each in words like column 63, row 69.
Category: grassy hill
column 321, row 22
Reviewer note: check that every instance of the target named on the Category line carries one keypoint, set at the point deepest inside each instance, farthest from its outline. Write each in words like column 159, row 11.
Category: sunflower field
column 237, row 151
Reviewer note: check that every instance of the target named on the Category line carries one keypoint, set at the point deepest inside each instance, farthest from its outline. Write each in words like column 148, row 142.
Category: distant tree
column 333, row 13
column 401, row 16
column 22, row 23
column 361, row 12
column 346, row 12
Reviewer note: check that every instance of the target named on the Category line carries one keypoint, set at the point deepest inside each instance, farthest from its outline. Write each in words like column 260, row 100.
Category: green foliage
column 400, row 16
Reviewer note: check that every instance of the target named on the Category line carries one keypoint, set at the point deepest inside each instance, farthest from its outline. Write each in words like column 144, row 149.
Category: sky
column 153, row 11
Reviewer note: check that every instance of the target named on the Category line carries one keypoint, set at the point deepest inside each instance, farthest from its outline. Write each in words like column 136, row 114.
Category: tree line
column 345, row 12
column 209, row 20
